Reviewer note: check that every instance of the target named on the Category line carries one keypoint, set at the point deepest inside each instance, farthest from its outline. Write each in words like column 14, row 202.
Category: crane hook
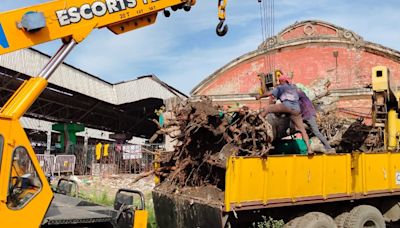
column 221, row 31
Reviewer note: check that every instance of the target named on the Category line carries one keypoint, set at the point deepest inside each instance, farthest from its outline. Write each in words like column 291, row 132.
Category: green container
column 289, row 146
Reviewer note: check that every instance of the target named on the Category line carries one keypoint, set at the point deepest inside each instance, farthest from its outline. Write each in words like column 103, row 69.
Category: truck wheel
column 293, row 223
column 316, row 220
column 340, row 219
column 365, row 216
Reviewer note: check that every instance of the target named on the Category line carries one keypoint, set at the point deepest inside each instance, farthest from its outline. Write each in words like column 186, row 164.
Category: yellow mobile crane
column 25, row 195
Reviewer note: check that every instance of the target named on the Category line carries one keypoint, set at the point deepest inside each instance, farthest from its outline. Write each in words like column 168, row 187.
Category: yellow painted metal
column 285, row 178
column 23, row 98
column 140, row 219
column 156, row 166
column 33, row 212
column 380, row 78
column 259, row 182
column 221, row 9
column 376, row 172
column 392, row 129
column 133, row 24
column 65, row 19
column 382, row 84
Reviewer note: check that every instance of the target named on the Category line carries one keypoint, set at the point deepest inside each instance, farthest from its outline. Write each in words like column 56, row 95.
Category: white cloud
column 191, row 68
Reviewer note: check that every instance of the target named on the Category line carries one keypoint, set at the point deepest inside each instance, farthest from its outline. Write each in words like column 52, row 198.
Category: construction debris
column 208, row 136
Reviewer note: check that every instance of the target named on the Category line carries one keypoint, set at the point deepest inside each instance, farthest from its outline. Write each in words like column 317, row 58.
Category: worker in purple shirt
column 288, row 95
column 309, row 117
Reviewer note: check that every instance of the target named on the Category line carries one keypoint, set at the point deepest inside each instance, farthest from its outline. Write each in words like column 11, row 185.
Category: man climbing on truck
column 288, row 95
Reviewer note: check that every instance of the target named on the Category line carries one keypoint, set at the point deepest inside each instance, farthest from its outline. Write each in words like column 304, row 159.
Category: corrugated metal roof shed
column 77, row 96
column 30, row 62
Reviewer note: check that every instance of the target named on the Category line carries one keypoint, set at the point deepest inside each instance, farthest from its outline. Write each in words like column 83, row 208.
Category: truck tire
column 293, row 223
column 316, row 220
column 340, row 219
column 364, row 216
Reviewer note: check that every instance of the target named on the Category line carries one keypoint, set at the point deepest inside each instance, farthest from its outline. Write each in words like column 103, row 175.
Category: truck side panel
column 253, row 182
column 376, row 173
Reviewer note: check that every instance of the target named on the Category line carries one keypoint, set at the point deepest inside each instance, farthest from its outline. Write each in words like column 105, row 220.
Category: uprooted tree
column 206, row 135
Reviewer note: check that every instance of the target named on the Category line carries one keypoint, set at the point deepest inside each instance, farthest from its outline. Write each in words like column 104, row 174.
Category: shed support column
column 48, row 145
column 85, row 152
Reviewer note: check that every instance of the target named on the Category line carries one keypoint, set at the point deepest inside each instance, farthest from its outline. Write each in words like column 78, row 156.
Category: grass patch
column 268, row 223
column 151, row 221
column 101, row 198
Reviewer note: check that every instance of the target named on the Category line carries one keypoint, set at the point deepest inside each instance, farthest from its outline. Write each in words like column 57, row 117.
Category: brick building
column 308, row 51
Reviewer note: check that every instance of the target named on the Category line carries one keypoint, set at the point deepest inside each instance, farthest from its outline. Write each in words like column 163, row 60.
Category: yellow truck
column 351, row 190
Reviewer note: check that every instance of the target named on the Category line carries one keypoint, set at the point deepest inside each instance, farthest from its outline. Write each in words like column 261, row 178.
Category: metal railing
column 119, row 158
column 64, row 164
column 51, row 164
column 46, row 162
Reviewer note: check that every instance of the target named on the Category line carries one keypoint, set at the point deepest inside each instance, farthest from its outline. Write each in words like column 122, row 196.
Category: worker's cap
column 285, row 78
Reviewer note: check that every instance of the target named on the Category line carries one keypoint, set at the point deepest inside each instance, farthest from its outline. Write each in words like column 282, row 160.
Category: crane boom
column 75, row 19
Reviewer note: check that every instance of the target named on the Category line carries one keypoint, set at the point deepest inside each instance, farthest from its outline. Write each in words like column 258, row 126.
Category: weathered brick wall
column 308, row 51
column 307, row 63
column 301, row 30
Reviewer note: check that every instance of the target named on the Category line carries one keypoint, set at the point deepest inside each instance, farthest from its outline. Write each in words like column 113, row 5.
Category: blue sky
column 183, row 49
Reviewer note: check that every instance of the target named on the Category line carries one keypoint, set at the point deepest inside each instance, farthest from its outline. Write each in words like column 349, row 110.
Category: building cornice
column 338, row 36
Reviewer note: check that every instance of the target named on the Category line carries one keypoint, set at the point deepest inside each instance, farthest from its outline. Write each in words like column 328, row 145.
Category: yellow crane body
column 30, row 213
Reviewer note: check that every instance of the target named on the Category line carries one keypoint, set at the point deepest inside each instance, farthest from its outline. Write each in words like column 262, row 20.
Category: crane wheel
column 340, row 219
column 365, row 216
column 293, row 223
column 316, row 220
column 312, row 220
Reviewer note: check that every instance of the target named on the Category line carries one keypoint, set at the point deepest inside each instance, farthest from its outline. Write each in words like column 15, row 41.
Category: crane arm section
column 75, row 19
